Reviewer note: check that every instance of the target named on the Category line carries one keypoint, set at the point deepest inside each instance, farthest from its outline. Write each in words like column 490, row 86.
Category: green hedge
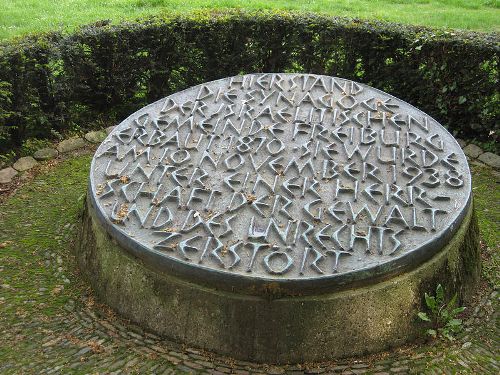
column 98, row 75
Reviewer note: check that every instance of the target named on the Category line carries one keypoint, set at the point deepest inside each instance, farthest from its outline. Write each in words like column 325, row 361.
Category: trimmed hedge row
column 101, row 73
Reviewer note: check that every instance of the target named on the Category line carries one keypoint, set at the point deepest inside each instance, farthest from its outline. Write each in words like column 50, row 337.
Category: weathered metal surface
column 308, row 181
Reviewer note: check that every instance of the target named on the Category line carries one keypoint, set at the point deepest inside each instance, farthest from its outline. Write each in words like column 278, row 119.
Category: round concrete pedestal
column 274, row 328
column 279, row 217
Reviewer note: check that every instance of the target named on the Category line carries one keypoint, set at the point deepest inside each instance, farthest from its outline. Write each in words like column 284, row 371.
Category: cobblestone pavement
column 80, row 336
column 90, row 339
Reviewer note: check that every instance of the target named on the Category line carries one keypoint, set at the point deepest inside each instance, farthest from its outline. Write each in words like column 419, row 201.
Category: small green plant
column 442, row 315
column 31, row 145
column 7, row 158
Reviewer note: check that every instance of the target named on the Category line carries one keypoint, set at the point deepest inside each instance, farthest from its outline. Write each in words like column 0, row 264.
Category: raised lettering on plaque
column 274, row 176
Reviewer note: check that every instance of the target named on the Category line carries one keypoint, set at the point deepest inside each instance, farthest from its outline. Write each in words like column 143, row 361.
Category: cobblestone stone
column 472, row 150
column 399, row 369
column 193, row 365
column 179, row 355
column 7, row 174
column 490, row 159
column 118, row 364
column 359, row 365
column 205, row 364
column 216, row 372
column 96, row 136
column 24, row 163
column 70, row 144
column 223, row 369
column 339, row 368
column 83, row 352
column 418, row 356
column 275, row 370
column 45, row 154
column 171, row 359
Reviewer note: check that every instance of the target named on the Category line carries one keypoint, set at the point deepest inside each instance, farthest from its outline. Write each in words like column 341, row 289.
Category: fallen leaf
column 5, row 244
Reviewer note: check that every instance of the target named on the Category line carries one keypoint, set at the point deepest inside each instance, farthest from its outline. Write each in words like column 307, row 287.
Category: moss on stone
column 289, row 329
column 487, row 200
column 36, row 226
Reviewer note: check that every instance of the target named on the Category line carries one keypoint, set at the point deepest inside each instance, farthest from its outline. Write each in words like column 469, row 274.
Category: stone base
column 284, row 330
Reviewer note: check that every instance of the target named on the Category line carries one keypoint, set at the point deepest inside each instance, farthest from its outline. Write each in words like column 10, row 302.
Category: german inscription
column 281, row 175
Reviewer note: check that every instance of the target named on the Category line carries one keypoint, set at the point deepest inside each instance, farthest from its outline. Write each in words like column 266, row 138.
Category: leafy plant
column 31, row 145
column 442, row 315
column 7, row 158
column 104, row 71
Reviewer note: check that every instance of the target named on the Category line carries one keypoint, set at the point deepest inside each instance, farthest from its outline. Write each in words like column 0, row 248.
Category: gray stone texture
column 91, row 325
column 24, row 163
column 258, row 170
column 264, row 203
column 473, row 151
column 109, row 129
column 96, row 136
column 491, row 159
column 290, row 329
column 45, row 154
column 70, row 145
column 7, row 174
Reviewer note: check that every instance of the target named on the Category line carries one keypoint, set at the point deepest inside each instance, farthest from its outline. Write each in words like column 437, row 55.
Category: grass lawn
column 18, row 17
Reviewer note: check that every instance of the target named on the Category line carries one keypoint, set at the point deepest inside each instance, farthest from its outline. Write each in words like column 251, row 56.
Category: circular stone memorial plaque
column 280, row 185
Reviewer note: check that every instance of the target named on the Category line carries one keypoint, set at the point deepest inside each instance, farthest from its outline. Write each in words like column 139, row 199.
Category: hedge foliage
column 101, row 73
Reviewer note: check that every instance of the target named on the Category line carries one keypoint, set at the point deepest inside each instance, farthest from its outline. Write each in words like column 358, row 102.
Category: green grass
column 37, row 225
column 18, row 17
column 487, row 203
